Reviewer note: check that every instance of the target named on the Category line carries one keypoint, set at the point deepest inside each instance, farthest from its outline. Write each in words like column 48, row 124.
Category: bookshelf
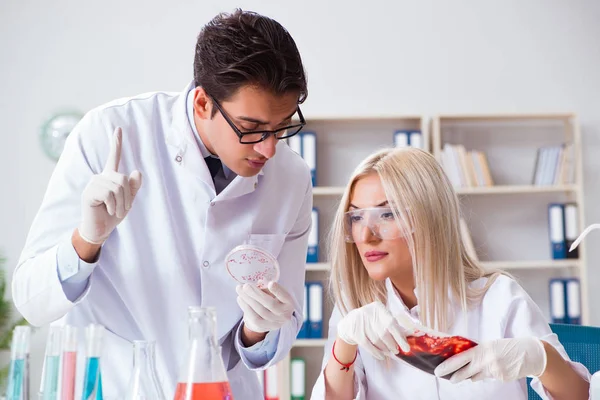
column 510, row 142
column 509, row 219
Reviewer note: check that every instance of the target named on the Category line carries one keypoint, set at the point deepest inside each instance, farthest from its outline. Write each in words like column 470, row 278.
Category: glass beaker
column 203, row 375
column 143, row 383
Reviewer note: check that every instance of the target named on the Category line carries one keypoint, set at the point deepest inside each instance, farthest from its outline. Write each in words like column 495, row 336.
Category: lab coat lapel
column 240, row 186
column 183, row 148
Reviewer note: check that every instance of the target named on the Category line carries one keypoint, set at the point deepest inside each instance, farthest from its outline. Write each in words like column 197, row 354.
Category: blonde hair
column 422, row 196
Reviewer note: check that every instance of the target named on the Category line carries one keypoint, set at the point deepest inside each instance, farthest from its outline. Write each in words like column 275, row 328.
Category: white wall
column 362, row 58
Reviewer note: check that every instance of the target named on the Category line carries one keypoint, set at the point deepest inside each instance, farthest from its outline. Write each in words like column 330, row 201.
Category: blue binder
column 558, row 301
column 401, row 139
column 303, row 334
column 556, row 230
column 309, row 153
column 315, row 313
column 416, row 139
column 312, row 255
column 573, row 301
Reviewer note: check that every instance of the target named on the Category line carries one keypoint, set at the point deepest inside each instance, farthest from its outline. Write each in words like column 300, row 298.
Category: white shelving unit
column 510, row 223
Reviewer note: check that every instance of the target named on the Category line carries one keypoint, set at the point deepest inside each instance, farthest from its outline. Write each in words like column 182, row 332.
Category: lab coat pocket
column 271, row 242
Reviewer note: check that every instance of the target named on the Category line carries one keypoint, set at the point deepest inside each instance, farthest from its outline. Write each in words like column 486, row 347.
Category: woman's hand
column 502, row 359
column 373, row 328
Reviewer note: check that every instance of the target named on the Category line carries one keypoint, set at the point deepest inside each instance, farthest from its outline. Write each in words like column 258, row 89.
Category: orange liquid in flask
column 204, row 391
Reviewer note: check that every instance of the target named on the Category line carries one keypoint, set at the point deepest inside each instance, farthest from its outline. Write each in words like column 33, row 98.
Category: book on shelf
column 554, row 165
column 466, row 168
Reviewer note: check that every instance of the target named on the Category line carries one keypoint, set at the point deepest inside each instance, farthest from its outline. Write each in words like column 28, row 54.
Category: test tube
column 49, row 384
column 69, row 362
column 18, row 375
column 92, row 384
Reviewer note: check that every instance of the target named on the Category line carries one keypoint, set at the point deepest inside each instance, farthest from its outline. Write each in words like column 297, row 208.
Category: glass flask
column 203, row 375
column 143, row 383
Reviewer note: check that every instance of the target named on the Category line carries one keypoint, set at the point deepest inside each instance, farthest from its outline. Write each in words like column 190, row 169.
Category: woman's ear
column 202, row 104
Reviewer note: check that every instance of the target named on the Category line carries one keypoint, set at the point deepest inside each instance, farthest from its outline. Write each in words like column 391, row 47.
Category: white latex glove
column 374, row 328
column 108, row 196
column 265, row 310
column 502, row 359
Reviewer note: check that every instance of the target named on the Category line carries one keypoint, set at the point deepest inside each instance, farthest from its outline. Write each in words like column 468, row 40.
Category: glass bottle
column 203, row 375
column 143, row 383
column 49, row 383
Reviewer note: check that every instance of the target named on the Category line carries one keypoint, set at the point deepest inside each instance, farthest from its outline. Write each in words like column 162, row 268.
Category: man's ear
column 202, row 104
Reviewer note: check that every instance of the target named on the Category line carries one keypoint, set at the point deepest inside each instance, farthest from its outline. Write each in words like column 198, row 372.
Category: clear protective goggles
column 380, row 221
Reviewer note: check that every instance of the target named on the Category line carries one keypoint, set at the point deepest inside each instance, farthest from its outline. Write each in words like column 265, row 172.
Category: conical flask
column 143, row 383
column 203, row 375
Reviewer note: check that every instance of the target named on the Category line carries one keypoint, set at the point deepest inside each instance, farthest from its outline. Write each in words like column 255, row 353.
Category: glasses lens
column 252, row 137
column 360, row 224
column 289, row 132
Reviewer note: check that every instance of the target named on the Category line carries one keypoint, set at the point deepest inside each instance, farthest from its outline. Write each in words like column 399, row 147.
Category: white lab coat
column 505, row 311
column 169, row 252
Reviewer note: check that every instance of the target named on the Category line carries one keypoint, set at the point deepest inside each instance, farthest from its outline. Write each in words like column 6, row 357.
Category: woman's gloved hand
column 502, row 359
column 373, row 328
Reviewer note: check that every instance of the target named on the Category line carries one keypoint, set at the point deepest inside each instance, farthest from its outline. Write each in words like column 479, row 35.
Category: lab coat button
column 206, row 264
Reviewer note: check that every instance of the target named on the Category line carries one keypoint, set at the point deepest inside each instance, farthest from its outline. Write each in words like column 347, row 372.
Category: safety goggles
column 380, row 221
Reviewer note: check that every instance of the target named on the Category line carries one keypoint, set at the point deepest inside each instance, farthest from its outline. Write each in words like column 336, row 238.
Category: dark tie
column 214, row 165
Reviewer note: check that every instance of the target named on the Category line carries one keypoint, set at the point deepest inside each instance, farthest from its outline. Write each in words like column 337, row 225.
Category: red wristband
column 344, row 366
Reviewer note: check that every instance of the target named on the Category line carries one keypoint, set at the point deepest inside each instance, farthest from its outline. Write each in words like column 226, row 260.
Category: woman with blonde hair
column 400, row 269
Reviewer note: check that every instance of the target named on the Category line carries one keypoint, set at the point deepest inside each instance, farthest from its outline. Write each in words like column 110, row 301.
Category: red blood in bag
column 427, row 352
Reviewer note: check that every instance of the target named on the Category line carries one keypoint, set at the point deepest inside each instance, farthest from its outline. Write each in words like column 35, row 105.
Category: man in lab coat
column 106, row 248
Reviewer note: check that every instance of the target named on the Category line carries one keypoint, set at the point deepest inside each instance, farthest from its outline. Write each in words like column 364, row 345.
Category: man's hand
column 108, row 197
column 265, row 311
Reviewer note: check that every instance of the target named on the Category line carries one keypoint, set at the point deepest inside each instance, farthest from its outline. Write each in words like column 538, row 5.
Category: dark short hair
column 246, row 48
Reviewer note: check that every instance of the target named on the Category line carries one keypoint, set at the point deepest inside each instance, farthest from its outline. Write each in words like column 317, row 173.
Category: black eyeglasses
column 250, row 137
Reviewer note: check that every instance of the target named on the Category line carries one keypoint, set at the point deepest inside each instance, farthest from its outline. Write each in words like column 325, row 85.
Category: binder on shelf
column 303, row 333
column 557, row 301
column 408, row 139
column 309, row 153
column 573, row 291
column 298, row 378
column 401, row 139
column 556, row 228
column 295, row 143
column 271, row 383
column 571, row 229
column 315, row 313
column 416, row 139
column 312, row 255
